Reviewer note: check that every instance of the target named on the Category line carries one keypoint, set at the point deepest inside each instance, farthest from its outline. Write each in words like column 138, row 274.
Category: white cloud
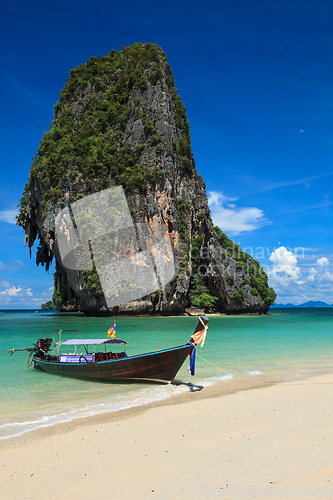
column 10, row 292
column 285, row 268
column 294, row 282
column 296, row 182
column 231, row 219
column 312, row 274
column 12, row 265
column 8, row 216
column 22, row 296
column 215, row 199
column 321, row 274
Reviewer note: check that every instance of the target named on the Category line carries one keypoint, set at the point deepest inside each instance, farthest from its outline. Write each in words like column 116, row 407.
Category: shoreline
column 134, row 315
column 217, row 389
column 269, row 437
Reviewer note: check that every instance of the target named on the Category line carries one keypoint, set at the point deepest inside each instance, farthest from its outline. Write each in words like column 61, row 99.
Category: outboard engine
column 42, row 347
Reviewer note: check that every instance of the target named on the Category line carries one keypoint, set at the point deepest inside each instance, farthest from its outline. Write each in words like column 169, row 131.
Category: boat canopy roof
column 92, row 341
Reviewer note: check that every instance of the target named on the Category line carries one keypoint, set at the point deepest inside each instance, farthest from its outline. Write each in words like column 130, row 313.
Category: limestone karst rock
column 120, row 121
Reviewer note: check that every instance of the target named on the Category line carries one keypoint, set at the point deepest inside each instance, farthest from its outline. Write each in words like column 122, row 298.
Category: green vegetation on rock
column 182, row 214
column 56, row 297
column 49, row 305
column 254, row 273
column 199, row 293
column 92, row 283
column 238, row 296
column 86, row 146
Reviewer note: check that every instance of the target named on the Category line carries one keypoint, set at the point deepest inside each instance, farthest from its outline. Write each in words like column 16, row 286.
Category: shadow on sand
column 192, row 387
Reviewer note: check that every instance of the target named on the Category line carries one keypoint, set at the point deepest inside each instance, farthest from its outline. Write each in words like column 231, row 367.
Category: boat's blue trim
column 112, row 360
column 142, row 355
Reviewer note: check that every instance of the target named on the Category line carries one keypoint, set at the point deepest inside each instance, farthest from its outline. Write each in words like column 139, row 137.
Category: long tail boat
column 97, row 362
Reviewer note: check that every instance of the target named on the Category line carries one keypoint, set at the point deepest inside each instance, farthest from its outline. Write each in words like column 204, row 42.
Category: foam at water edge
column 145, row 396
column 208, row 381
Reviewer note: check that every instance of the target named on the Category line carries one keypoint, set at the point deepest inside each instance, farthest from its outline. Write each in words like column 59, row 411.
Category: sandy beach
column 274, row 441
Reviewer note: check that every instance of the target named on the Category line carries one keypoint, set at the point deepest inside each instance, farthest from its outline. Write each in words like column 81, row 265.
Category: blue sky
column 256, row 78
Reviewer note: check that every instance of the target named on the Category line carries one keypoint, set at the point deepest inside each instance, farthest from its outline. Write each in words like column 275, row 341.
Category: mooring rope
column 225, row 371
column 257, row 381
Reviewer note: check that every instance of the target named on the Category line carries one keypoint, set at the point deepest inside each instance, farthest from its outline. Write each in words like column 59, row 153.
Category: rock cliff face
column 120, row 121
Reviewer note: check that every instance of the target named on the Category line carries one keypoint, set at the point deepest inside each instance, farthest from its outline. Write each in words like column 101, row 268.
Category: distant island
column 310, row 304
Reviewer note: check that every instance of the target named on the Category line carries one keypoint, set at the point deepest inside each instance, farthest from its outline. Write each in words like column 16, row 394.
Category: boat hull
column 159, row 366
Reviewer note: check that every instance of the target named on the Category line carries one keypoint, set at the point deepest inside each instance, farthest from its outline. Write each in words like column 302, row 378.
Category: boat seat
column 105, row 356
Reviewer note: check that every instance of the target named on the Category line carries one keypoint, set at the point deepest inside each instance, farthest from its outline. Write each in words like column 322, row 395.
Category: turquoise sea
column 285, row 341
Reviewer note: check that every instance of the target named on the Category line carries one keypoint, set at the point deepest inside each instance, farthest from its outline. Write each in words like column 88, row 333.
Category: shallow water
column 283, row 341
